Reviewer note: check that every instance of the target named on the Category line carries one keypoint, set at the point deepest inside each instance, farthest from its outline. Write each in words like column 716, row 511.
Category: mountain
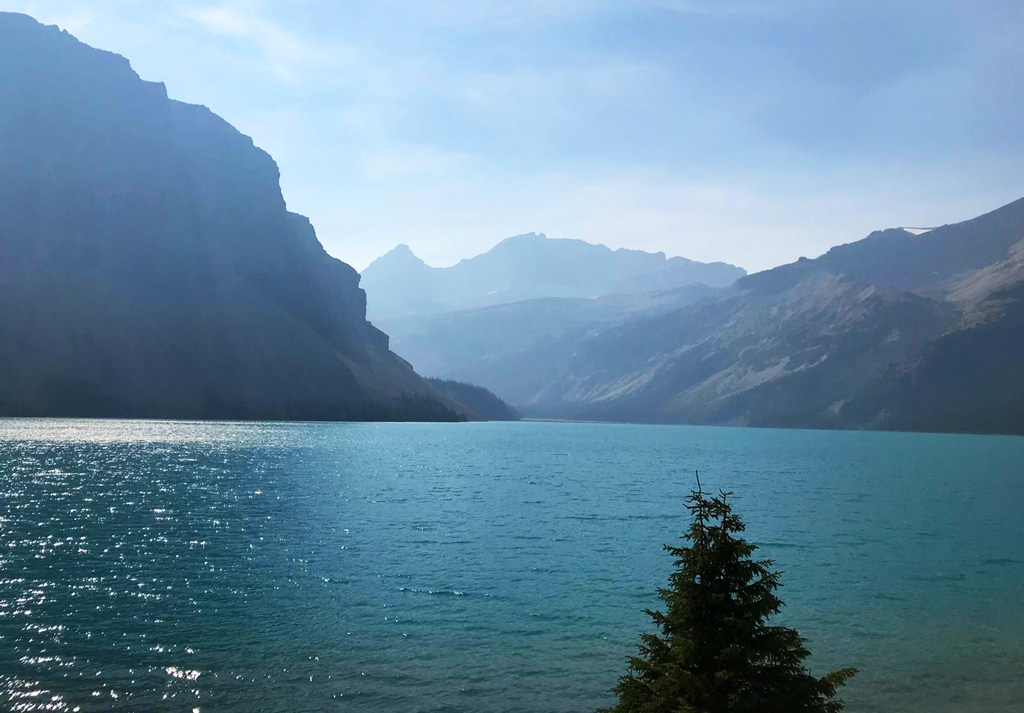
column 907, row 329
column 149, row 266
column 478, row 402
column 526, row 267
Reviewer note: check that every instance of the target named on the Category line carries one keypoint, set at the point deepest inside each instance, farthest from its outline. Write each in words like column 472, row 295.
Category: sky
column 752, row 132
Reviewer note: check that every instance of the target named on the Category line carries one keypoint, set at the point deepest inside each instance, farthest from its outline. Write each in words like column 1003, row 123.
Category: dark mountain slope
column 783, row 348
column 148, row 264
column 478, row 402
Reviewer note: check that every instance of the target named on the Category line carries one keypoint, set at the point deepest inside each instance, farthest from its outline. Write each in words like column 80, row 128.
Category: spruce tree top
column 716, row 652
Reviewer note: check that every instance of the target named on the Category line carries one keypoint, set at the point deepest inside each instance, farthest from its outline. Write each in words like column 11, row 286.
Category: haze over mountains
column 150, row 268
column 904, row 330
column 527, row 267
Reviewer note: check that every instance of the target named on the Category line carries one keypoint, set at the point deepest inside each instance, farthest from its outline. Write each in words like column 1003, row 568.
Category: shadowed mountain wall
column 150, row 268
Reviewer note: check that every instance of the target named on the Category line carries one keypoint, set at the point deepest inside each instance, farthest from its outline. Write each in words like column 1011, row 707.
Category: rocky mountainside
column 785, row 348
column 970, row 378
column 925, row 262
column 526, row 267
column 149, row 266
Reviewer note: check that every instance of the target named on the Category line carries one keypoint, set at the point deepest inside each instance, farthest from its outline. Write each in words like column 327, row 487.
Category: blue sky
column 750, row 132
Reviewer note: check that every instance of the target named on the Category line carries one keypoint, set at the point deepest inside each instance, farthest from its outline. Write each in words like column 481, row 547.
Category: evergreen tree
column 715, row 652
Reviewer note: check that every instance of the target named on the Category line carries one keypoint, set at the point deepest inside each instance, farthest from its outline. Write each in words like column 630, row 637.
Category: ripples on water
column 480, row 567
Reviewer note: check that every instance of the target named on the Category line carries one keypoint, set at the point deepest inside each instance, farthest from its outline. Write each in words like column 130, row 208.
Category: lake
column 482, row 567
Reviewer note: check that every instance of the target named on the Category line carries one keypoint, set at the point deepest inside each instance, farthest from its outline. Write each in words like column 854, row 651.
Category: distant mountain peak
column 400, row 255
column 401, row 251
column 525, row 238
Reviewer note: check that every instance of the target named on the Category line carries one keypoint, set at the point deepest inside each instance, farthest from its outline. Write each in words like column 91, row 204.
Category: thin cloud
column 398, row 161
column 500, row 13
column 726, row 8
column 287, row 55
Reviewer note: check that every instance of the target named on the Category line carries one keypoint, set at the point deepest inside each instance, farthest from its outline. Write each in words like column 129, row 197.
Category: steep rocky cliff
column 149, row 266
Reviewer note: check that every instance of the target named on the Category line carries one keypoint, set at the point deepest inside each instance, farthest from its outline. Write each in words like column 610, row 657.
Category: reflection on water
column 480, row 567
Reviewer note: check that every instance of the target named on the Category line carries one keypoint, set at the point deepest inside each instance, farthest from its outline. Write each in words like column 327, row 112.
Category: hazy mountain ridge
column 150, row 267
column 928, row 261
column 520, row 346
column 525, row 267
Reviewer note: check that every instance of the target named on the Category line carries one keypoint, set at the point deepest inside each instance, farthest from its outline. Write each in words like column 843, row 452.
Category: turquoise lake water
column 482, row 567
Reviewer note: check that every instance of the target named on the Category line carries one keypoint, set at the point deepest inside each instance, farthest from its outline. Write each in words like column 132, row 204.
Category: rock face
column 150, row 268
column 525, row 267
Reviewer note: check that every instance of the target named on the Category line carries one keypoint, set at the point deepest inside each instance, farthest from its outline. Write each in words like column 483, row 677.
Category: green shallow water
column 481, row 567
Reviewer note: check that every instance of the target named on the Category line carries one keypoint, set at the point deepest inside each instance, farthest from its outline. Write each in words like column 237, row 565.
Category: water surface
column 481, row 567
